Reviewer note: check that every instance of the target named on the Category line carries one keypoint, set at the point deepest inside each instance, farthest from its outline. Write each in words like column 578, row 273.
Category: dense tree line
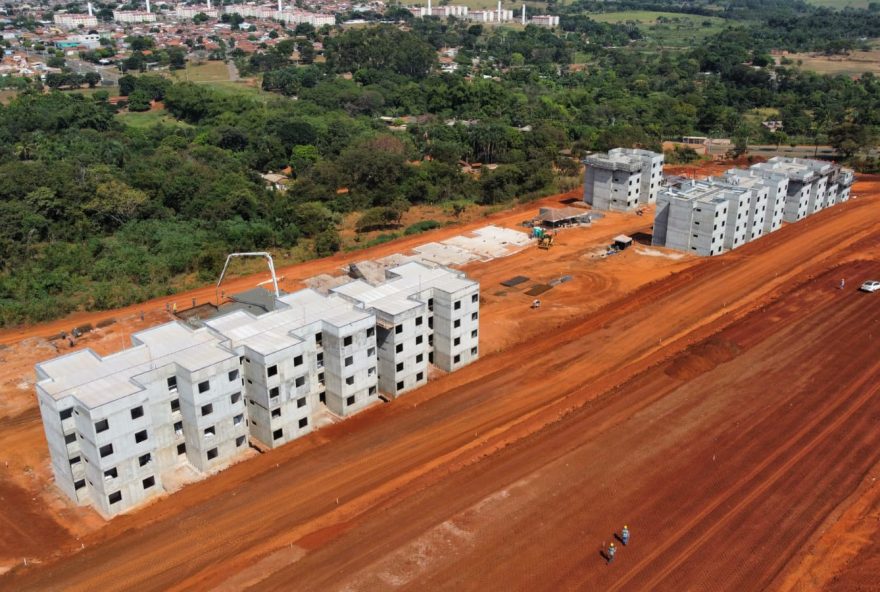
column 97, row 214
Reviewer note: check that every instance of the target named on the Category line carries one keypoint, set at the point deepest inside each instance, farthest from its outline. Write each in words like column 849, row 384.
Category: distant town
column 96, row 39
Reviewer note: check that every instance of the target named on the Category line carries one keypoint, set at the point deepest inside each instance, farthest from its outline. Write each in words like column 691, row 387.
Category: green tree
column 327, row 243
column 139, row 100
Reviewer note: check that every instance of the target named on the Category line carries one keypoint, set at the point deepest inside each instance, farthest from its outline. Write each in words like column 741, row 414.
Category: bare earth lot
column 727, row 409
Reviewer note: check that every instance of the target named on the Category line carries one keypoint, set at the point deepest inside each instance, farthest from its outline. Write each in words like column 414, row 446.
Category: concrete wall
column 219, row 408
column 696, row 226
column 661, row 220
column 737, row 221
column 778, row 190
column 757, row 212
column 280, row 390
column 403, row 351
column 797, row 201
column 612, row 190
column 350, row 366
column 456, row 327
column 816, row 201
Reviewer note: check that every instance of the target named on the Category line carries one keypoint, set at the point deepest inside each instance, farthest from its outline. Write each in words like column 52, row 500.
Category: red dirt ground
column 725, row 408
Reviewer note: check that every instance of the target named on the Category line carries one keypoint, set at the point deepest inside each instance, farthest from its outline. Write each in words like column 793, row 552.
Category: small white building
column 75, row 21
column 545, row 20
column 133, row 16
column 189, row 11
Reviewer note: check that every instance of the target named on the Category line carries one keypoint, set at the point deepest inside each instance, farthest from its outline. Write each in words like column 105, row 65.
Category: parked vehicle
column 870, row 286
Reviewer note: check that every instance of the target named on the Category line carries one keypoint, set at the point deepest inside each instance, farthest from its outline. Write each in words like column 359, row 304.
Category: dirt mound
column 701, row 358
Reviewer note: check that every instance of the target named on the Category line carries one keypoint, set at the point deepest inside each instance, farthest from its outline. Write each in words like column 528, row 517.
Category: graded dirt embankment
column 724, row 408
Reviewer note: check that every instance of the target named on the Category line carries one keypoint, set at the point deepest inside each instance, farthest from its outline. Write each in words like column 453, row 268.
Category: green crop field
column 667, row 29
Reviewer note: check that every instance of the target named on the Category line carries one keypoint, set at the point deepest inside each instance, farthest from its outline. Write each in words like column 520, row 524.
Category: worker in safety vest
column 611, row 551
column 624, row 535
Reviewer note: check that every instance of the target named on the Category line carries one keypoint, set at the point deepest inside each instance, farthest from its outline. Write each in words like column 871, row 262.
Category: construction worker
column 624, row 535
column 611, row 551
column 842, row 283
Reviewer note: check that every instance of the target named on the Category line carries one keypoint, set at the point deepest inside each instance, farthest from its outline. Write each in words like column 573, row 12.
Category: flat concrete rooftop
column 95, row 380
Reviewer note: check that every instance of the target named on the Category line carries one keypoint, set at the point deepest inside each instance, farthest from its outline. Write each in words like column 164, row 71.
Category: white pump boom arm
column 268, row 258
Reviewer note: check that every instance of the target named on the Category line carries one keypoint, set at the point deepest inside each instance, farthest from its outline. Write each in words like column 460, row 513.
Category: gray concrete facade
column 425, row 315
column 180, row 397
column 622, row 179
column 693, row 217
column 757, row 200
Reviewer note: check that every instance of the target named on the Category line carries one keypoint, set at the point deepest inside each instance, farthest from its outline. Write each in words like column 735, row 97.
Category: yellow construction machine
column 546, row 241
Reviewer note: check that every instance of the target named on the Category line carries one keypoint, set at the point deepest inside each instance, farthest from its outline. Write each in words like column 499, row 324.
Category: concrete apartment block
column 622, row 179
column 310, row 350
column 350, row 364
column 844, row 179
column 747, row 215
column 738, row 227
column 424, row 315
column 831, row 194
column 808, row 184
column 693, row 217
column 401, row 333
column 117, row 426
column 756, row 201
column 767, row 201
column 776, row 185
column 652, row 171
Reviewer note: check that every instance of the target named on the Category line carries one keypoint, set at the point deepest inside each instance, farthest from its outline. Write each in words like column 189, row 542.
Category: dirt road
column 722, row 411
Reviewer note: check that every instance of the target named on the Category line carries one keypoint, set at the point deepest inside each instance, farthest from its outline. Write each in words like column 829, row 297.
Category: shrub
column 422, row 226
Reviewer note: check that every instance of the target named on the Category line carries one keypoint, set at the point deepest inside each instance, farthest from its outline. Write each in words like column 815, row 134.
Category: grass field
column 840, row 3
column 854, row 64
column 205, row 72
column 667, row 29
column 148, row 119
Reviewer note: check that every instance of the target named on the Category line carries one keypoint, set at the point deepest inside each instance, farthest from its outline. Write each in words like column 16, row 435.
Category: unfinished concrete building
column 712, row 216
column 311, row 349
column 807, row 186
column 622, row 179
column 118, row 426
column 775, row 185
column 423, row 315
column 694, row 217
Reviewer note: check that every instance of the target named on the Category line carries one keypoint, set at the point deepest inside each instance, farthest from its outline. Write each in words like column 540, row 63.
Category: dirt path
column 737, row 410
